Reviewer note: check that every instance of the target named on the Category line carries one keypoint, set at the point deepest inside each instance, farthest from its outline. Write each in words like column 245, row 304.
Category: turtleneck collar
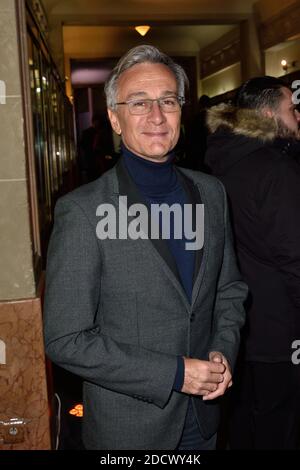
column 156, row 178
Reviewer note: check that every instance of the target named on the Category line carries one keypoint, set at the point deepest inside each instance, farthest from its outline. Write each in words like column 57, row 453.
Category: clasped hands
column 209, row 378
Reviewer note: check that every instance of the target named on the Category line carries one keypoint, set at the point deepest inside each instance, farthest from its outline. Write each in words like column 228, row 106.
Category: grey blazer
column 116, row 314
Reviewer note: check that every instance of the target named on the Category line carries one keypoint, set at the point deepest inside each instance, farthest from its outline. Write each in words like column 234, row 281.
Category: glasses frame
column 180, row 99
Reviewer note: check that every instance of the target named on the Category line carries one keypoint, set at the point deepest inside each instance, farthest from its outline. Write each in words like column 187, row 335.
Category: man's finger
column 213, row 395
column 216, row 358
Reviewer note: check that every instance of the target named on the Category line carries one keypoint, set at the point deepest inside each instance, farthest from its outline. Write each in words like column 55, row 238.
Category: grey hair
column 139, row 55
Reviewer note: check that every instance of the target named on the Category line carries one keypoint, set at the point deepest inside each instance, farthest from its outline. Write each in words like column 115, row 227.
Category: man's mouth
column 155, row 134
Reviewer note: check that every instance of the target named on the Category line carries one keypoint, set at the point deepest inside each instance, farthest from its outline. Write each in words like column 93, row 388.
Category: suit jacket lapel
column 197, row 194
column 127, row 187
column 193, row 198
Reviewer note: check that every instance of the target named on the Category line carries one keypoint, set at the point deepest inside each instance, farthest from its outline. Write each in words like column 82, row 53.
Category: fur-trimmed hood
column 247, row 122
column 236, row 133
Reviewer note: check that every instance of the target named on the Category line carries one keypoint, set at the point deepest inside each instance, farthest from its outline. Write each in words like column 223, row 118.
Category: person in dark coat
column 196, row 141
column 96, row 147
column 253, row 151
column 87, row 157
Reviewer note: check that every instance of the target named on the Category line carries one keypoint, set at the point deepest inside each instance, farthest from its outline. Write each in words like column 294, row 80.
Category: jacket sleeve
column 72, row 338
column 229, row 313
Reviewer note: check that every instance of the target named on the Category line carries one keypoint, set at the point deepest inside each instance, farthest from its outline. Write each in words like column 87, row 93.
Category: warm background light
column 142, row 30
column 77, row 411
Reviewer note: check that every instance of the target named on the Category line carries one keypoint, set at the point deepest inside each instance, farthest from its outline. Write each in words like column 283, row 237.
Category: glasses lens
column 169, row 104
column 140, row 106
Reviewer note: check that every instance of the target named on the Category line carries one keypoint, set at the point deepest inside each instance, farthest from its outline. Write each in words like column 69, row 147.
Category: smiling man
column 152, row 88
column 151, row 326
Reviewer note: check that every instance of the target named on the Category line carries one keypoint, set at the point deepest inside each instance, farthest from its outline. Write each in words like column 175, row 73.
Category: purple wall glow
column 89, row 76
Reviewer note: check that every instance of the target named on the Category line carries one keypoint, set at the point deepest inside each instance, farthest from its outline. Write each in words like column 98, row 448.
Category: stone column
column 24, row 415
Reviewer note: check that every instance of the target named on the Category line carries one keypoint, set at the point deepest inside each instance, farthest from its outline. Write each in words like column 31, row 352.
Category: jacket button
column 192, row 318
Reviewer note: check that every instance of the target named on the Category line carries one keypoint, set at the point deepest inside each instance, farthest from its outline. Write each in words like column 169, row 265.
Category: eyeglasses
column 167, row 104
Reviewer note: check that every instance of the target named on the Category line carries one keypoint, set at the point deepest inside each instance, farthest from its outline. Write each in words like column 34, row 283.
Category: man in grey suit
column 149, row 318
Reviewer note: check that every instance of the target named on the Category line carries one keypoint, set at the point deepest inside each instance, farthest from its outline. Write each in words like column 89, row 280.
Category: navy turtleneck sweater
column 158, row 183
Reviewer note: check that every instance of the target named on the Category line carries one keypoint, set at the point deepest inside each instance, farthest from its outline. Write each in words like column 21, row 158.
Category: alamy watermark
column 296, row 354
column 2, row 92
column 154, row 222
column 296, row 94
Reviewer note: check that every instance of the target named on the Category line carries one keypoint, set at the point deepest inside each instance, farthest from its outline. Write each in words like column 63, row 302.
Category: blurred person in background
column 253, row 150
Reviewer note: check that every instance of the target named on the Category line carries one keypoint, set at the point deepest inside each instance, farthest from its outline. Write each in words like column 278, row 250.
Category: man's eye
column 139, row 104
column 169, row 102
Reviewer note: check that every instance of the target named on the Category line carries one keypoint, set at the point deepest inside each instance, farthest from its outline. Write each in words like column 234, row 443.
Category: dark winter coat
column 262, row 177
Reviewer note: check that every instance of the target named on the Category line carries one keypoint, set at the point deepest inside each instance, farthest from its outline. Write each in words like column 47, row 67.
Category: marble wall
column 23, row 388
column 24, row 410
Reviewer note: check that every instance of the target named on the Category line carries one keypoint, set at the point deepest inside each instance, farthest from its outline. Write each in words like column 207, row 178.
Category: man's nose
column 156, row 115
column 297, row 115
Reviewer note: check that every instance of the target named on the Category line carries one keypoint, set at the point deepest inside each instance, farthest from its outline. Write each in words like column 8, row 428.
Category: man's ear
column 115, row 124
column 267, row 112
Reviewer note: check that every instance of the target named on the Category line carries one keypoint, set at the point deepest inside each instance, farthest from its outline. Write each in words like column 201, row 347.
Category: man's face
column 151, row 136
column 287, row 116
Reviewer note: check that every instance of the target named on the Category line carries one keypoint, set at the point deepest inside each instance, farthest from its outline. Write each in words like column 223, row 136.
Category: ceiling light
column 284, row 64
column 142, row 30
